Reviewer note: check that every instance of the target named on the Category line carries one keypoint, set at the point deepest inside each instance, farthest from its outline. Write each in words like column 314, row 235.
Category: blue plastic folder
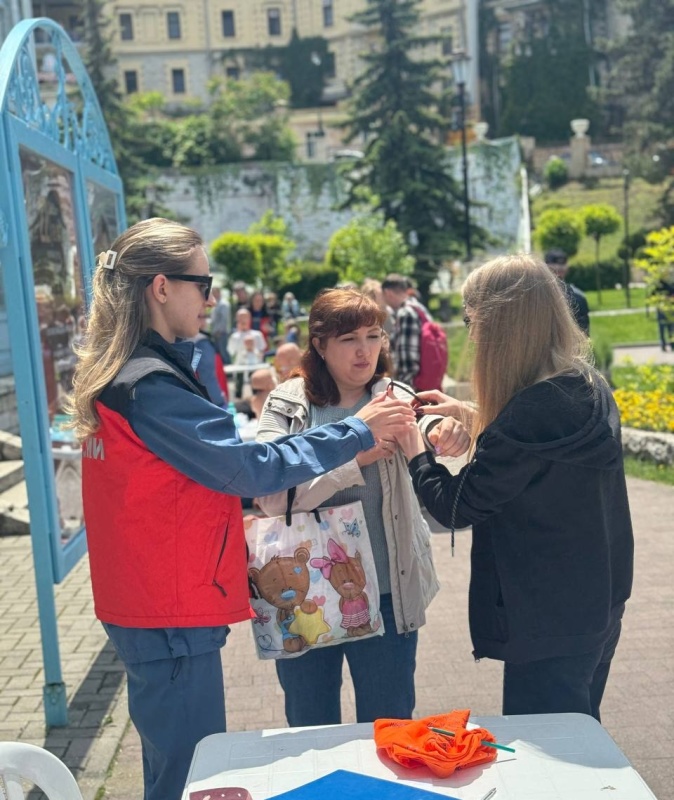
column 344, row 785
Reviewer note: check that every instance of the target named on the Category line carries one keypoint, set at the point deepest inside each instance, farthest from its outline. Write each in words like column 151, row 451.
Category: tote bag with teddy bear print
column 313, row 580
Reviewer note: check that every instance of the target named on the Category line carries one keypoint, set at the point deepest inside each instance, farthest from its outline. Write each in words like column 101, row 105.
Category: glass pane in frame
column 59, row 298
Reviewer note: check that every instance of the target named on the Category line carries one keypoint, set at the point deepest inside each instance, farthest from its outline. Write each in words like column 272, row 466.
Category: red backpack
column 433, row 355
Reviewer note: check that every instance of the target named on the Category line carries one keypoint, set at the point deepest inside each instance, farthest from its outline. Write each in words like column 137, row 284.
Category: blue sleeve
column 200, row 440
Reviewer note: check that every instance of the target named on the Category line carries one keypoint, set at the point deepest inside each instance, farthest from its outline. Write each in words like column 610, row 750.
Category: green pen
column 486, row 744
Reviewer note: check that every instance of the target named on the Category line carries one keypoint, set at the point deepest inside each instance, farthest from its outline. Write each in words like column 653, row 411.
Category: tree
column 125, row 134
column 368, row 246
column 642, row 73
column 270, row 234
column 559, row 228
column 555, row 55
column 238, row 256
column 394, row 108
column 656, row 260
column 600, row 220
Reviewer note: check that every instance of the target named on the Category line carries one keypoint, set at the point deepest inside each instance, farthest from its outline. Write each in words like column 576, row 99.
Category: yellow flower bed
column 645, row 396
column 649, row 411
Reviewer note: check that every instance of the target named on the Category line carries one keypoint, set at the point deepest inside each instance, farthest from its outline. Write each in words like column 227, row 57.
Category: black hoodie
column 552, row 553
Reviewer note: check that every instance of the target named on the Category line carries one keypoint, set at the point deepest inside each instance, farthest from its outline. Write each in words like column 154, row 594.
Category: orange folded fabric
column 410, row 742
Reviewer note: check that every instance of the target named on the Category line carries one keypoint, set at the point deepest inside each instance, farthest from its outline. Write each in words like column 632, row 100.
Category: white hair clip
column 107, row 259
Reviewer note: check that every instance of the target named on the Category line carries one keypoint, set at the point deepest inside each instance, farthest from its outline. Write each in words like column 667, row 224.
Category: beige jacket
column 413, row 579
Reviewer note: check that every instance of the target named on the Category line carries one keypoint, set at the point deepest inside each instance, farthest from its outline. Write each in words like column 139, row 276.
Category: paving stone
column 639, row 697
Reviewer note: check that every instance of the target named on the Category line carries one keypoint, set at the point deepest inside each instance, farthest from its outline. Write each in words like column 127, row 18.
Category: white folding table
column 558, row 757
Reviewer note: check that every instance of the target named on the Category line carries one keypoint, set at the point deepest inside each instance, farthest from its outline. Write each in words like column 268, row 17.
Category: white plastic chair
column 20, row 761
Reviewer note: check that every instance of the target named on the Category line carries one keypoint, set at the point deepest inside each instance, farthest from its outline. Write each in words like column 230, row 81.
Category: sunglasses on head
column 205, row 282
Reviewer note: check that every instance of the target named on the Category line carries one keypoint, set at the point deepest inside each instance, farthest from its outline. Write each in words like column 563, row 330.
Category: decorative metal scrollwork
column 64, row 107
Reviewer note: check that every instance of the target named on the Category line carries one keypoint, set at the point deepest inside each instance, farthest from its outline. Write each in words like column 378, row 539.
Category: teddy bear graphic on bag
column 347, row 578
column 284, row 583
column 313, row 580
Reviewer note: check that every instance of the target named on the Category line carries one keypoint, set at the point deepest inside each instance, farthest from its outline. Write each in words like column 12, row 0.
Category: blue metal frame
column 74, row 138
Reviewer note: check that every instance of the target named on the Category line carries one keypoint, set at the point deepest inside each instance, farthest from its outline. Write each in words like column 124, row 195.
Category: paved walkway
column 103, row 750
column 642, row 354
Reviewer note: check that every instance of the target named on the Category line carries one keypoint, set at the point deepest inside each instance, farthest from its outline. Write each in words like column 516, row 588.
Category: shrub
column 238, row 255
column 559, row 228
column 556, row 173
column 305, row 279
column 582, row 273
column 645, row 397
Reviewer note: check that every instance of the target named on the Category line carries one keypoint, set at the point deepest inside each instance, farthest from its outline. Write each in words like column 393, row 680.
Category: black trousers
column 559, row 685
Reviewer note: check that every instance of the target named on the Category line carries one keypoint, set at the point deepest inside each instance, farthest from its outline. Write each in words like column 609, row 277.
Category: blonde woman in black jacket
column 552, row 553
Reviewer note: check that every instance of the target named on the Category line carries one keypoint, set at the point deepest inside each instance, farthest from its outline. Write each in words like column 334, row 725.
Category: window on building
column 178, row 81
column 233, row 72
column 173, row 24
column 228, row 26
column 274, row 21
column 328, row 14
column 447, row 43
column 130, row 81
column 330, row 65
column 125, row 27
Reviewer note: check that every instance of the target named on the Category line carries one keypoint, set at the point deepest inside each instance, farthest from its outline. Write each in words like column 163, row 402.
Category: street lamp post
column 626, row 249
column 459, row 71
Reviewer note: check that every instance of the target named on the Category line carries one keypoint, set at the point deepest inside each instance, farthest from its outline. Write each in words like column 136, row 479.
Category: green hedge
column 306, row 279
column 582, row 273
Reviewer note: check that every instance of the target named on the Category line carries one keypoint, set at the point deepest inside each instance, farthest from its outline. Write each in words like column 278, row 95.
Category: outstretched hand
column 387, row 417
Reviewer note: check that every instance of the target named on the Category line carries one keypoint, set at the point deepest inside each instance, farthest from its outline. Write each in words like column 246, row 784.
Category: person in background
column 162, row 473
column 545, row 493
column 246, row 346
column 242, row 299
column 292, row 332
column 372, row 288
column 262, row 381
column 210, row 368
column 260, row 320
column 343, row 368
column 274, row 310
column 221, row 323
column 407, row 334
column 286, row 359
column 290, row 308
column 557, row 261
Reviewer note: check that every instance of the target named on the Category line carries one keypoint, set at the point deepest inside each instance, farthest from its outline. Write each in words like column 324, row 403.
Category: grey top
column 370, row 494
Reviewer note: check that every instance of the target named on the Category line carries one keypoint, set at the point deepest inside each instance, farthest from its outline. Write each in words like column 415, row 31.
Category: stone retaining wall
column 657, row 447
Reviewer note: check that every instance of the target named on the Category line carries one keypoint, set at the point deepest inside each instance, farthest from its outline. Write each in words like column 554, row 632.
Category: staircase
column 14, row 517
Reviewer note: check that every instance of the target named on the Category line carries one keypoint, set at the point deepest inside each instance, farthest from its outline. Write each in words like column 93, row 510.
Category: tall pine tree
column 404, row 166
column 122, row 124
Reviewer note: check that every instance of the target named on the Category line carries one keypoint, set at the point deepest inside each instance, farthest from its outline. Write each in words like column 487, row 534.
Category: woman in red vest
column 163, row 471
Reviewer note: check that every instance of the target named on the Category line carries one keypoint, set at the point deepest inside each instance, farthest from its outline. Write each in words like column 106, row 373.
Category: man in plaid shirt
column 405, row 346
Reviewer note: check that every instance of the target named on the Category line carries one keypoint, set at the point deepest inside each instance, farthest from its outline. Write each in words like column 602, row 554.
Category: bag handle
column 289, row 508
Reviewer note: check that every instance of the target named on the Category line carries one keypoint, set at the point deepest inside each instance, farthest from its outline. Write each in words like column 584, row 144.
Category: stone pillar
column 580, row 148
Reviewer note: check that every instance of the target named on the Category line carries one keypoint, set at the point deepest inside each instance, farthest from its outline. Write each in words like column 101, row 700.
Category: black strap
column 452, row 522
column 289, row 508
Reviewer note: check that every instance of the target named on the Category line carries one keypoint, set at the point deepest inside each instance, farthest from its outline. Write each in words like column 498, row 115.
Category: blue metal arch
column 66, row 135
column 82, row 131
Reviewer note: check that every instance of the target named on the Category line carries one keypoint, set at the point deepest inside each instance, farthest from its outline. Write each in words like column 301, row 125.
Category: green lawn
column 612, row 299
column 649, row 470
column 625, row 328
column 643, row 201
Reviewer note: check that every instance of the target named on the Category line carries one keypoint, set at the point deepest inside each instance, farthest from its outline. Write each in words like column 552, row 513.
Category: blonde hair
column 522, row 330
column 119, row 315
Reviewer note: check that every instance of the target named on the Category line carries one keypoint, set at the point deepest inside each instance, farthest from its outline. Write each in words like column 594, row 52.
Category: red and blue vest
column 164, row 550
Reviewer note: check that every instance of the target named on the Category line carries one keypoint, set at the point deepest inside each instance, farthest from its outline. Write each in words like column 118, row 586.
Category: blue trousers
column 560, row 685
column 382, row 670
column 174, row 702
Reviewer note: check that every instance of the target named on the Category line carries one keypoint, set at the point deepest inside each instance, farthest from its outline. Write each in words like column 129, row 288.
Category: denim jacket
column 413, row 579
